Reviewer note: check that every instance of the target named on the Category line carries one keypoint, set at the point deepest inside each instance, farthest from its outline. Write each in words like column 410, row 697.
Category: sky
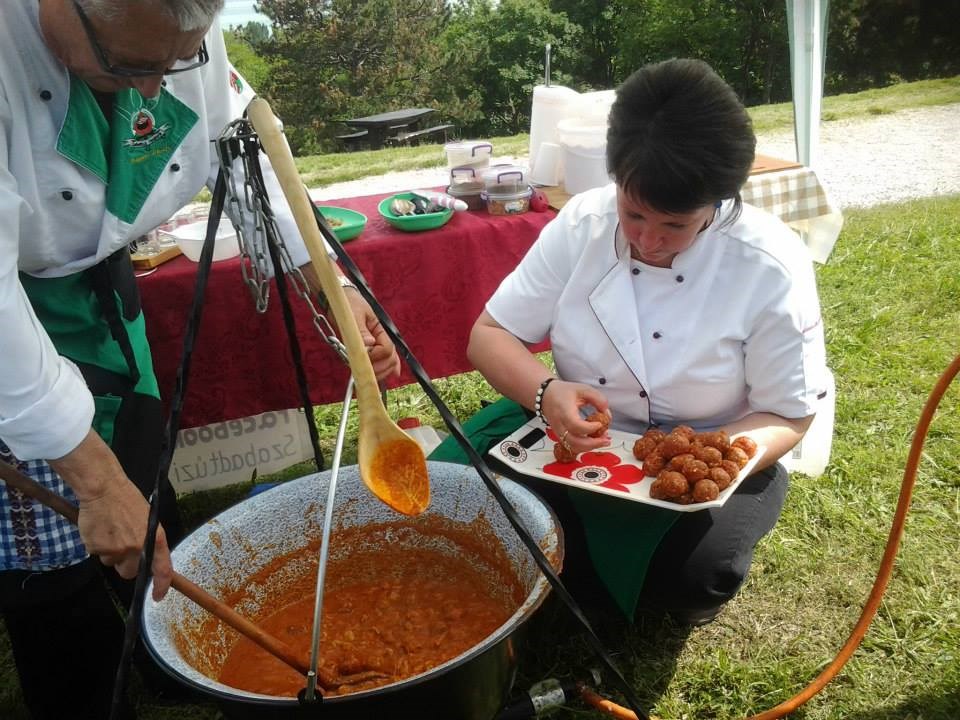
column 240, row 12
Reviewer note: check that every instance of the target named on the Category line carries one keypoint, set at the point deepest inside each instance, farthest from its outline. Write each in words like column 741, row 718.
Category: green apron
column 93, row 317
column 621, row 535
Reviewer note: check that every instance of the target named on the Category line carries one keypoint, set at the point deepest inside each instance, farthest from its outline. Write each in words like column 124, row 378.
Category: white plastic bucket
column 812, row 453
column 551, row 104
column 584, row 142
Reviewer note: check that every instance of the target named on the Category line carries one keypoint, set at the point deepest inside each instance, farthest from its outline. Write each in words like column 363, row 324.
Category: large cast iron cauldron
column 234, row 545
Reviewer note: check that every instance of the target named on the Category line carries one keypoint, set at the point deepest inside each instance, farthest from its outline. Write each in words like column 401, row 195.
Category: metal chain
column 254, row 222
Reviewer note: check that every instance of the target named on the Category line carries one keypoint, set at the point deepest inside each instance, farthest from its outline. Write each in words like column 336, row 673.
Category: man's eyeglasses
column 127, row 72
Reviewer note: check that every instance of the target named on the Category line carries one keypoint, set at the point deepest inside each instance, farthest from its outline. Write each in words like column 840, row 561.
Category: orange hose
column 879, row 585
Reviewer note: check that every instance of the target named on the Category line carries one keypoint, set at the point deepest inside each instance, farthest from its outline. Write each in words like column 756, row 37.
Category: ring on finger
column 563, row 439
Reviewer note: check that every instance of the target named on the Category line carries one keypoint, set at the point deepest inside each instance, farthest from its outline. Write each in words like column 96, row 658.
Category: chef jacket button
column 657, row 335
column 679, row 278
column 602, row 381
column 175, row 167
column 643, row 393
column 45, row 95
column 636, row 271
column 66, row 194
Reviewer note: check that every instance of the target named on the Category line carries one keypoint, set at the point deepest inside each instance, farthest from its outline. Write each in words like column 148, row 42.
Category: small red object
column 538, row 201
column 408, row 423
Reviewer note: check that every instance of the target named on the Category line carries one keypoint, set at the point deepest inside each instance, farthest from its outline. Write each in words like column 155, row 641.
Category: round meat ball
column 563, row 454
column 688, row 432
column 603, row 419
column 643, row 447
column 655, row 433
column 705, row 490
column 737, row 455
column 673, row 444
column 718, row 439
column 669, row 484
column 685, row 499
column 653, row 463
column 747, row 444
column 677, row 461
column 721, row 477
column 709, row 455
column 695, row 470
column 732, row 468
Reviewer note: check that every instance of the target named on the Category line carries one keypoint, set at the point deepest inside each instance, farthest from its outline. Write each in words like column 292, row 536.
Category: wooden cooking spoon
column 391, row 463
column 219, row 609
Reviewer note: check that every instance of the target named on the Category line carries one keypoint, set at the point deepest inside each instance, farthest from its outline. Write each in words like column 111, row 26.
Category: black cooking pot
column 225, row 552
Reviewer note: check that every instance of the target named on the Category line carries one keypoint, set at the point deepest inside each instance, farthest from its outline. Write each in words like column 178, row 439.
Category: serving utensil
column 391, row 463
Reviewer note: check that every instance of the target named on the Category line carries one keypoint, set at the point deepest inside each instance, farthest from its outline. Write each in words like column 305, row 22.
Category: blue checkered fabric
column 33, row 537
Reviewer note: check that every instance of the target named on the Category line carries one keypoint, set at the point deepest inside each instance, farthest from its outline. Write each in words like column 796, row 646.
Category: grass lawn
column 891, row 305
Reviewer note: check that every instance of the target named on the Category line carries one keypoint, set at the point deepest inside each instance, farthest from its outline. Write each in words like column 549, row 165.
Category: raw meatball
column 705, row 491
column 603, row 419
column 563, row 454
column 668, row 485
column 747, row 444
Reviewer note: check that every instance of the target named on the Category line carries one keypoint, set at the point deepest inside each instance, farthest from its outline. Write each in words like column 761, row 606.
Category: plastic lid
column 474, row 146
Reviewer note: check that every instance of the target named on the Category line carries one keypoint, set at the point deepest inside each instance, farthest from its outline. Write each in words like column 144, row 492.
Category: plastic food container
column 190, row 239
column 507, row 199
column 504, row 175
column 468, row 153
column 470, row 192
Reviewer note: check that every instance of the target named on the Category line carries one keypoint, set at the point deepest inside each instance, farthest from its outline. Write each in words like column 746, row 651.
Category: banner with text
column 229, row 452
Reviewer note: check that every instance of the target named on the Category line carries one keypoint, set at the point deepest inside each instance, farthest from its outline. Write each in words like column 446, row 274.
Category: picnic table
column 396, row 125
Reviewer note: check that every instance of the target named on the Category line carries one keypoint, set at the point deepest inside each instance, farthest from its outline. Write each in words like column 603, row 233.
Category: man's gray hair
column 189, row 14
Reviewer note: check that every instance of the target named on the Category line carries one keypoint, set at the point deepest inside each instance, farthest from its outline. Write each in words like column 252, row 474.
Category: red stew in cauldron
column 396, row 611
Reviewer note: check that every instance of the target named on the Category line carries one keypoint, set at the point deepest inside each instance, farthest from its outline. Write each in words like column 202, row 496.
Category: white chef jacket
column 732, row 328
column 55, row 221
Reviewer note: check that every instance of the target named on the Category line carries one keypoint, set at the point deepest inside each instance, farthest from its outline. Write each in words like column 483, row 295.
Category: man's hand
column 383, row 355
column 113, row 512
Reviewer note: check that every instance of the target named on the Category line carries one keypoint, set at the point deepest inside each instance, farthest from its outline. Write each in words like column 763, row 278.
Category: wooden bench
column 353, row 140
column 414, row 136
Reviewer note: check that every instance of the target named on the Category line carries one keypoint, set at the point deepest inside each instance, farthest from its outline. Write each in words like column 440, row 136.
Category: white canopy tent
column 807, row 28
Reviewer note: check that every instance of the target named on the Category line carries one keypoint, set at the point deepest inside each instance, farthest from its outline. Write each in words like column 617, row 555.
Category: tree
column 337, row 59
column 245, row 59
column 597, row 39
column 496, row 57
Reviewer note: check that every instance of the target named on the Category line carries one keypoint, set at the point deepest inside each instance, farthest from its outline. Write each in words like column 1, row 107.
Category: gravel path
column 862, row 162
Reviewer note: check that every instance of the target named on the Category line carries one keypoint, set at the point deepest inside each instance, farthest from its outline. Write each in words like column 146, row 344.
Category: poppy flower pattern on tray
column 612, row 470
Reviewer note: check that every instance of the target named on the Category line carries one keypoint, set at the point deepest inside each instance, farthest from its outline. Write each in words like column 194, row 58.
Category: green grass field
column 891, row 303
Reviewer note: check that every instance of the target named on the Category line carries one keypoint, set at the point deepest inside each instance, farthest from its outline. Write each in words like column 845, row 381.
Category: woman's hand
column 383, row 355
column 561, row 406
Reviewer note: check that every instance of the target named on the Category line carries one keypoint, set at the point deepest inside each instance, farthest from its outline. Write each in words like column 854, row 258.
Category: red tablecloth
column 433, row 284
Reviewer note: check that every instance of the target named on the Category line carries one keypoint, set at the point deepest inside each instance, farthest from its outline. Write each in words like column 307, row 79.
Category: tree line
column 476, row 61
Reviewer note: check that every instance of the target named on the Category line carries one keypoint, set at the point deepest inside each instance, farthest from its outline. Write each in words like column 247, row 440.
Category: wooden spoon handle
column 275, row 145
column 31, row 488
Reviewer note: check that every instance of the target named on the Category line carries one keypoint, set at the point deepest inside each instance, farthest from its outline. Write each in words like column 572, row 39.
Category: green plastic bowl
column 346, row 224
column 412, row 223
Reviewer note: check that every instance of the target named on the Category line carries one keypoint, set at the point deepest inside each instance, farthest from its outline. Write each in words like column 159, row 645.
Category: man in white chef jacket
column 108, row 110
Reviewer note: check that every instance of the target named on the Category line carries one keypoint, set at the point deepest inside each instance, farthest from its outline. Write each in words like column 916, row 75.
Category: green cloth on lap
column 621, row 535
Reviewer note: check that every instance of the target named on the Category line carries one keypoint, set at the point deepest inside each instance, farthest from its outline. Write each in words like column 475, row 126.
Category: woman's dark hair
column 679, row 138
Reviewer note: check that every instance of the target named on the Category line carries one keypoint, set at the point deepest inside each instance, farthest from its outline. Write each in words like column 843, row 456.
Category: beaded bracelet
column 539, row 399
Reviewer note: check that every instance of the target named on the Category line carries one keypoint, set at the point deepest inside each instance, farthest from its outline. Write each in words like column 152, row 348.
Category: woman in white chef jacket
column 108, row 110
column 666, row 301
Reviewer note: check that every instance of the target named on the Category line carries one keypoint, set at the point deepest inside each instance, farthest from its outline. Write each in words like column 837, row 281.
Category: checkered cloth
column 791, row 195
column 33, row 537
column 797, row 197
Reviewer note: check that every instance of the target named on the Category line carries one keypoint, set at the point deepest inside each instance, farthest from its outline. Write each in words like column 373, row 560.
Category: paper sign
column 229, row 452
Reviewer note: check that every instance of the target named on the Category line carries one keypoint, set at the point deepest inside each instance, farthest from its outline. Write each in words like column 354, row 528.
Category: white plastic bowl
column 190, row 239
